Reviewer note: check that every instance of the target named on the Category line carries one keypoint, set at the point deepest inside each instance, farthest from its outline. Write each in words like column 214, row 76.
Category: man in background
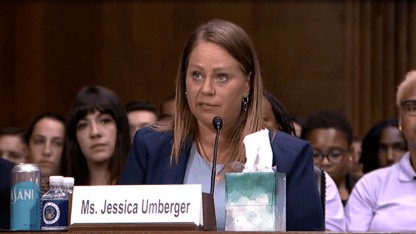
column 167, row 109
column 12, row 145
column 140, row 114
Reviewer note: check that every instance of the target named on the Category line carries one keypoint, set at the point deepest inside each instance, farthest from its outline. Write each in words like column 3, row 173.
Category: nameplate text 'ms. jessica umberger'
column 137, row 204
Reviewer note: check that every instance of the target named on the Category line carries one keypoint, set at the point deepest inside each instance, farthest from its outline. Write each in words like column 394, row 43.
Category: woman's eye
column 196, row 75
column 400, row 147
column 38, row 141
column 222, row 77
column 58, row 143
column 382, row 148
column 81, row 126
column 336, row 153
column 106, row 120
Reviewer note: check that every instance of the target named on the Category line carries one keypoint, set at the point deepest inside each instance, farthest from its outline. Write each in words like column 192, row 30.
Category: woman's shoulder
column 287, row 142
column 149, row 132
column 290, row 152
column 150, row 136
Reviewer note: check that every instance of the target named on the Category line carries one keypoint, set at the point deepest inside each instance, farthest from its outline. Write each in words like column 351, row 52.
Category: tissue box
column 255, row 201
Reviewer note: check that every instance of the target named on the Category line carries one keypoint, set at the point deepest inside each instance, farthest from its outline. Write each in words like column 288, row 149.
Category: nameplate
column 137, row 204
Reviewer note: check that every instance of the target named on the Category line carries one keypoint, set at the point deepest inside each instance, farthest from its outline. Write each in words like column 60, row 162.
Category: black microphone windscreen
column 217, row 122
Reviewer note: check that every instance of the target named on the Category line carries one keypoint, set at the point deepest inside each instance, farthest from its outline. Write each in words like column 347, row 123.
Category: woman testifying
column 219, row 75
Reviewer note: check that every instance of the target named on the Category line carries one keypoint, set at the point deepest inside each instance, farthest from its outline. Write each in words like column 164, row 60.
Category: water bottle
column 55, row 206
column 69, row 185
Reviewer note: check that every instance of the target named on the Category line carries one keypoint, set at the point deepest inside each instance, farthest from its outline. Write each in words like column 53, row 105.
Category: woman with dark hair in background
column 275, row 116
column 383, row 145
column 45, row 139
column 98, row 139
column 219, row 75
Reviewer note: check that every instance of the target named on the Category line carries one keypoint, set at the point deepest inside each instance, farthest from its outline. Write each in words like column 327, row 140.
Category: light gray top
column 198, row 171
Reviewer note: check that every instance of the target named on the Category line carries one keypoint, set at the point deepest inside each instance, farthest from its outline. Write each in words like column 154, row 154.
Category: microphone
column 217, row 123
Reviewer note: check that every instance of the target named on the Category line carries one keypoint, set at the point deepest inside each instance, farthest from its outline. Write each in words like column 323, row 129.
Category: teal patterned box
column 255, row 201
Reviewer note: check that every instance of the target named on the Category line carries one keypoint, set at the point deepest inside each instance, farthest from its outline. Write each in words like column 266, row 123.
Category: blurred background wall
column 342, row 55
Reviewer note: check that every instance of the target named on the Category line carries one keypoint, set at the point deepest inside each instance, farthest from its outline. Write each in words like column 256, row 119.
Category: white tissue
column 259, row 154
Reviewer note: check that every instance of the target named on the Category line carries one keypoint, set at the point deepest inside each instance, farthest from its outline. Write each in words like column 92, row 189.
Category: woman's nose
column 325, row 161
column 95, row 130
column 390, row 155
column 207, row 87
column 46, row 149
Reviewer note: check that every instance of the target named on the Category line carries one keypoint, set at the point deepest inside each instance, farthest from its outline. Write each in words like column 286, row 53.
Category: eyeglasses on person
column 409, row 106
column 333, row 156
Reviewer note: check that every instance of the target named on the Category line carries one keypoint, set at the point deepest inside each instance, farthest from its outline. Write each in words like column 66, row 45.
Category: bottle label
column 55, row 213
column 25, row 206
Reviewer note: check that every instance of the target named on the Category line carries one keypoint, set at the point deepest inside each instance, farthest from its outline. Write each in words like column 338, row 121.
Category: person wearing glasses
column 330, row 134
column 384, row 200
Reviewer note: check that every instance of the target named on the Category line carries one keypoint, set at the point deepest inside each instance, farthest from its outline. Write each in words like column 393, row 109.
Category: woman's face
column 268, row 116
column 392, row 146
column 46, row 144
column 96, row 136
column 215, row 85
column 331, row 141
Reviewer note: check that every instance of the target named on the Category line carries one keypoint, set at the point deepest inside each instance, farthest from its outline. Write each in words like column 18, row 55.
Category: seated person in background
column 274, row 116
column 219, row 75
column 12, row 145
column 355, row 167
column 330, row 135
column 167, row 109
column 45, row 139
column 383, row 145
column 5, row 191
column 384, row 200
column 140, row 114
column 298, row 123
column 98, row 139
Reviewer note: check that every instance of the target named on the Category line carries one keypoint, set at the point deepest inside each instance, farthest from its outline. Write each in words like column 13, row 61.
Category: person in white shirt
column 384, row 200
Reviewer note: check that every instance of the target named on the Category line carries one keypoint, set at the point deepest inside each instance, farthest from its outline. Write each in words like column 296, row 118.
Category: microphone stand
column 214, row 161
column 217, row 122
column 210, row 222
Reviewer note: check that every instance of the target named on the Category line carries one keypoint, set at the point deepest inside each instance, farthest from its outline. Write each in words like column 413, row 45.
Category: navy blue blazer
column 149, row 163
column 5, row 190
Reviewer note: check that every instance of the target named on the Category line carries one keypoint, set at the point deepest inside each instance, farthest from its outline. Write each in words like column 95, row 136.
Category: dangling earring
column 400, row 127
column 245, row 101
